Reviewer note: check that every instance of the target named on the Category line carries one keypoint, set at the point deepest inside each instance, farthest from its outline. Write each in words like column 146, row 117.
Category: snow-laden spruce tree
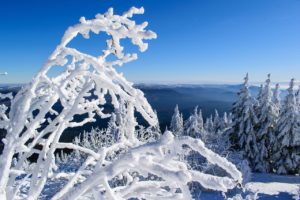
column 192, row 127
column 267, row 114
column 276, row 145
column 113, row 130
column 274, row 148
column 215, row 127
column 200, row 121
column 260, row 94
column 176, row 125
column 243, row 135
column 229, row 119
column 209, row 124
column 297, row 94
column 224, row 121
column 217, row 122
column 287, row 154
column 43, row 109
column 276, row 96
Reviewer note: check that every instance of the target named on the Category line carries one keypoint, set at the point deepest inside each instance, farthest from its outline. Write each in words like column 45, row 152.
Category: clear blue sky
column 198, row 40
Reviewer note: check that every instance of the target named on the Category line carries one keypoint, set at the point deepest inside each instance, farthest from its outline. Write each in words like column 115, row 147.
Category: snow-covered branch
column 161, row 160
column 124, row 167
column 81, row 88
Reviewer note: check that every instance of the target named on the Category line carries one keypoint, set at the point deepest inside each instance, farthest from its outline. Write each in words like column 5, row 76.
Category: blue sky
column 198, row 40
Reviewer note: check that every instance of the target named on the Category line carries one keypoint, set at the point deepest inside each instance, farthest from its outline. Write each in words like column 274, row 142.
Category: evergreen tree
column 176, row 125
column 224, row 121
column 276, row 96
column 209, row 125
column 229, row 118
column 287, row 156
column 191, row 125
column 216, row 122
column 113, row 129
column 260, row 94
column 267, row 113
column 298, row 98
column 153, row 132
column 200, row 121
column 275, row 146
column 125, row 120
column 242, row 131
column 216, row 138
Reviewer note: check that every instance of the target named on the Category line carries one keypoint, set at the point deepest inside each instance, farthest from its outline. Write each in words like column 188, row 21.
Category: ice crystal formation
column 34, row 126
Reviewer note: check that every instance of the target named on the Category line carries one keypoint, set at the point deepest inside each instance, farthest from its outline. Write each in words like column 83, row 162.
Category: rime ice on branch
column 169, row 174
column 81, row 89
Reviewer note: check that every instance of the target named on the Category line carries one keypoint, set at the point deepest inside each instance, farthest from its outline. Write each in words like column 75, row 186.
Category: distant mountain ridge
column 163, row 98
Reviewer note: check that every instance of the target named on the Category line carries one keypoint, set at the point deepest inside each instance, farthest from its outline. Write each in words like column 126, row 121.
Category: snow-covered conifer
column 113, row 130
column 200, row 121
column 217, row 122
column 286, row 156
column 191, row 126
column 176, row 125
column 243, row 135
column 217, row 136
column 229, row 117
column 260, row 93
column 224, row 121
column 276, row 96
column 209, row 125
column 267, row 114
column 297, row 94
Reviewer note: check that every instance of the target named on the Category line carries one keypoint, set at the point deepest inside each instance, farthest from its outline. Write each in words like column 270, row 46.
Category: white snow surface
column 281, row 187
column 272, row 188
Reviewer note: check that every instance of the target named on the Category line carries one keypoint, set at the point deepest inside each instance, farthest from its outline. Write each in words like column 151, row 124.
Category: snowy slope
column 263, row 187
column 275, row 186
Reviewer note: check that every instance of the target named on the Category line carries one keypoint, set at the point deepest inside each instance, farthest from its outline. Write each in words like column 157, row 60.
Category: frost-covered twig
column 80, row 89
column 45, row 108
column 160, row 159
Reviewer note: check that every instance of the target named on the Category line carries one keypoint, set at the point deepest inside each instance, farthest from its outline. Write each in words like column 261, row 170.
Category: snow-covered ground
column 270, row 186
column 264, row 187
